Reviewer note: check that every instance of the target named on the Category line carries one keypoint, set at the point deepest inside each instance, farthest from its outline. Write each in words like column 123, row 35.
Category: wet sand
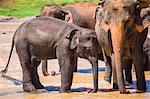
column 82, row 81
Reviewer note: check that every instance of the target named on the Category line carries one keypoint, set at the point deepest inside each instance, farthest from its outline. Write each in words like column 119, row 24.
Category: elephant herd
column 113, row 31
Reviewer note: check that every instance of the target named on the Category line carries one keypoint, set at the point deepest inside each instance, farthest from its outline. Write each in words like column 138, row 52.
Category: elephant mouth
column 85, row 52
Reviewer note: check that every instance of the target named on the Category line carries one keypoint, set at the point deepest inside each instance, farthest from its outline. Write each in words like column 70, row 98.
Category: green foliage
column 23, row 8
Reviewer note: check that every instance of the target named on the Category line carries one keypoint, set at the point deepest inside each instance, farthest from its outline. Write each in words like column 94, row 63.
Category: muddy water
column 11, row 86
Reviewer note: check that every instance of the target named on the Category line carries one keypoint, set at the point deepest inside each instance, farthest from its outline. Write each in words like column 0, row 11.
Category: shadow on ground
column 89, row 70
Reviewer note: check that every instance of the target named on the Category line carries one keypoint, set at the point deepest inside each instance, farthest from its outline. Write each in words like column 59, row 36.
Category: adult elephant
column 80, row 14
column 145, row 15
column 56, row 39
column 120, row 24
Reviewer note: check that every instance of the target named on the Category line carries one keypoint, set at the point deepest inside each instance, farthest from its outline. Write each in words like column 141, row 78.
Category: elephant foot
column 140, row 91
column 28, row 87
column 127, row 83
column 106, row 82
column 3, row 71
column 115, row 86
column 92, row 91
column 45, row 73
column 125, row 92
column 65, row 91
column 53, row 73
column 39, row 86
column 141, row 88
column 107, row 79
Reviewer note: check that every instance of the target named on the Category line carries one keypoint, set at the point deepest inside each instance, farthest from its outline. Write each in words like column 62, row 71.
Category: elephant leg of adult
column 148, row 61
column 138, row 61
column 66, row 60
column 128, row 71
column 34, row 74
column 45, row 68
column 108, row 69
column 115, row 84
column 25, row 61
column 94, row 62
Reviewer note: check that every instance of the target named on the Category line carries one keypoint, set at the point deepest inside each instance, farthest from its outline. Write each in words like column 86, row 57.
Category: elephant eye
column 88, row 38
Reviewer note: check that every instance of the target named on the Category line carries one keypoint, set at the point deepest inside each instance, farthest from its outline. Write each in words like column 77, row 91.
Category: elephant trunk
column 117, row 33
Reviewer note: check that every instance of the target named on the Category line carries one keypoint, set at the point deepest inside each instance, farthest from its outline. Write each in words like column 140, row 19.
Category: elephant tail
column 6, row 68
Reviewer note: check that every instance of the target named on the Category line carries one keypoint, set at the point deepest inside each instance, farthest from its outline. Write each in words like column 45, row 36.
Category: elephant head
column 122, row 19
column 57, row 12
column 85, row 42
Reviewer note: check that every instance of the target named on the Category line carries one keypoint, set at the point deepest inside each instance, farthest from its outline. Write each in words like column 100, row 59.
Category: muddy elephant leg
column 139, row 69
column 128, row 70
column 34, row 74
column 66, row 62
column 45, row 68
column 25, row 61
column 108, row 69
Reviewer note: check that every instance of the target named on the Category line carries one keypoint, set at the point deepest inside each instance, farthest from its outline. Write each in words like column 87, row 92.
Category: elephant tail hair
column 6, row 68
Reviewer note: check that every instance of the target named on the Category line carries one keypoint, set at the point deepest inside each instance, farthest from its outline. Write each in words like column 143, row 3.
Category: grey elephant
column 80, row 14
column 45, row 38
column 121, row 33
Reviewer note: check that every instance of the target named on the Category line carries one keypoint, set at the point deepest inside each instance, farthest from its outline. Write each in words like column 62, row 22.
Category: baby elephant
column 79, row 14
column 45, row 38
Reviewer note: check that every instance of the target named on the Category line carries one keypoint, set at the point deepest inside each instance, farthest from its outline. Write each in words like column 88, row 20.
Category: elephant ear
column 105, row 26
column 74, row 38
column 98, row 12
column 68, row 16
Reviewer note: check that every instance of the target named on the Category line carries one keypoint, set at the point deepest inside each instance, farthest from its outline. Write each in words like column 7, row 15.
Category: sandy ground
column 81, row 84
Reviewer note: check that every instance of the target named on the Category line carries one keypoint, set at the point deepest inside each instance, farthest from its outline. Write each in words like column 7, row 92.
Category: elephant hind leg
column 34, row 74
column 139, row 69
column 25, row 61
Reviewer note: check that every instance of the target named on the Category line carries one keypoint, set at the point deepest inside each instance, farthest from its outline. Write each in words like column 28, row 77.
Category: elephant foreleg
column 94, row 62
column 139, row 69
column 66, row 62
column 128, row 71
